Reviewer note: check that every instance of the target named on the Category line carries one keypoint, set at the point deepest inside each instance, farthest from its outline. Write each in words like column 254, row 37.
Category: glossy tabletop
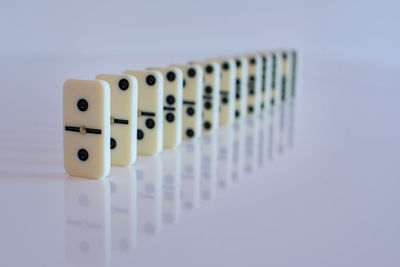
column 313, row 182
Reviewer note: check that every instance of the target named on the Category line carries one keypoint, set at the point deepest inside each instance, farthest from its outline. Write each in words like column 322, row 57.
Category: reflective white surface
column 312, row 183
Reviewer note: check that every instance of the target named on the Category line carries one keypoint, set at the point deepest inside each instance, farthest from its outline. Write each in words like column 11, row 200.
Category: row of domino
column 111, row 120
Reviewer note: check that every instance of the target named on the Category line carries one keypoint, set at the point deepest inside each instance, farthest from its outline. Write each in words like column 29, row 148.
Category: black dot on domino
column 237, row 113
column 250, row 109
column 237, row 96
column 207, row 125
column 170, row 117
column 252, row 61
column 225, row 65
column 113, row 143
column 150, row 123
column 251, row 92
column 190, row 111
column 208, row 89
column 238, row 63
column 237, row 81
column 82, row 104
column 184, row 83
column 170, row 99
column 150, row 80
column 190, row 132
column 207, row 105
column 191, row 72
column 209, row 69
column 83, row 155
column 170, row 76
column 225, row 100
column 252, row 78
column 140, row 134
column 123, row 84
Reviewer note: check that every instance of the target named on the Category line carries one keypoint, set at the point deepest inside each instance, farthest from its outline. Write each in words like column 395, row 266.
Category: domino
column 173, row 86
column 227, row 90
column 254, row 84
column 266, row 80
column 192, row 100
column 87, row 222
column 212, row 74
column 241, row 87
column 150, row 111
column 124, row 101
column 86, row 109
column 276, row 85
column 294, row 70
column 286, row 75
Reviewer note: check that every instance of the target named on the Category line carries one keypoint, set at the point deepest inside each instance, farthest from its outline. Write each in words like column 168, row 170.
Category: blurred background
column 365, row 31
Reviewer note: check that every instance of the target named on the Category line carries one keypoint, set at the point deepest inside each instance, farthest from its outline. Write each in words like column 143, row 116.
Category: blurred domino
column 227, row 90
column 254, row 84
column 266, row 80
column 124, row 94
column 192, row 100
column 150, row 112
column 173, row 86
column 212, row 75
column 241, row 87
column 86, row 109
column 276, row 88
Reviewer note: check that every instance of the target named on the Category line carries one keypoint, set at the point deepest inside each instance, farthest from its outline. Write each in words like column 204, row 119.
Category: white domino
column 254, row 84
column 294, row 72
column 266, row 80
column 212, row 75
column 86, row 109
column 276, row 88
column 192, row 100
column 241, row 87
column 124, row 99
column 227, row 90
column 173, row 85
column 150, row 112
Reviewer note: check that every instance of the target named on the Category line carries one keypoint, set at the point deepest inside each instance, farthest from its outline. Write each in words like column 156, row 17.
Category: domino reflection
column 208, row 180
column 123, row 209
column 149, row 190
column 171, row 185
column 251, row 148
column 87, row 221
column 225, row 157
column 190, row 175
column 238, row 149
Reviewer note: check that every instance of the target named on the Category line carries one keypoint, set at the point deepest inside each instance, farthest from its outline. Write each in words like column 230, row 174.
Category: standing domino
column 86, row 109
column 254, row 84
column 241, row 87
column 266, row 80
column 150, row 116
column 227, row 90
column 192, row 102
column 212, row 74
column 276, row 79
column 124, row 94
column 173, row 82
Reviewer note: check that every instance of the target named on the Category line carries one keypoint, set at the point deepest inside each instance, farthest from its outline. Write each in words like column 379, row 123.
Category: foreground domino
column 192, row 102
column 241, row 87
column 124, row 94
column 276, row 79
column 254, row 84
column 212, row 74
column 173, row 82
column 150, row 115
column 86, row 109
